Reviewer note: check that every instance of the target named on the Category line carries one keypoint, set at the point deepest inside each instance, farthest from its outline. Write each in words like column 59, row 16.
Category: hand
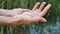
column 42, row 11
column 25, row 20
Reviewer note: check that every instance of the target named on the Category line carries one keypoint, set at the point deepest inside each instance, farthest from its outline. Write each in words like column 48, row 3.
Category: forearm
column 5, row 12
column 5, row 20
column 10, row 21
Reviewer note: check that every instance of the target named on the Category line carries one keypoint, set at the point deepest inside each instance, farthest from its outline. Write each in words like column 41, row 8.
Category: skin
column 13, row 17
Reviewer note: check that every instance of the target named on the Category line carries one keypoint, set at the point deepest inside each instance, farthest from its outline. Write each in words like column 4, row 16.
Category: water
column 53, row 28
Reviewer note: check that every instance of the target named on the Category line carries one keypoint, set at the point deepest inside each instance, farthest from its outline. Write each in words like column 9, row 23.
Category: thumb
column 36, row 19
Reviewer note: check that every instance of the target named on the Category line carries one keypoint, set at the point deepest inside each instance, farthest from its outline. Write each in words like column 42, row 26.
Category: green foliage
column 28, row 4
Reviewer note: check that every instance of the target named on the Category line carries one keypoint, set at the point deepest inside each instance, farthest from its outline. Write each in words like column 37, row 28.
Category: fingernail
column 44, row 2
column 49, row 4
column 38, row 2
column 44, row 20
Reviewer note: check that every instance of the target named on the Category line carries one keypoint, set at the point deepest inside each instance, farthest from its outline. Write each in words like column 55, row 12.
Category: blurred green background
column 53, row 18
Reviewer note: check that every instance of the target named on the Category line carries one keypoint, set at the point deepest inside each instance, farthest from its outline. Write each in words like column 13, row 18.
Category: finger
column 42, row 6
column 36, row 19
column 36, row 6
column 45, row 10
